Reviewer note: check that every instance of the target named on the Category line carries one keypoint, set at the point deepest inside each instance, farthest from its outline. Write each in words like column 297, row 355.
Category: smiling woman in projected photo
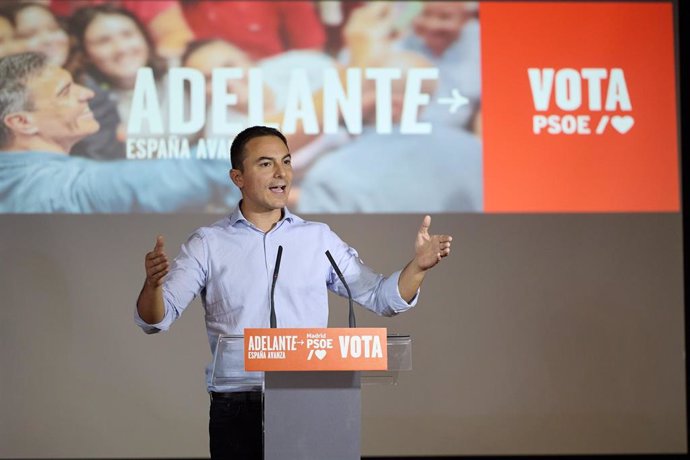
column 112, row 45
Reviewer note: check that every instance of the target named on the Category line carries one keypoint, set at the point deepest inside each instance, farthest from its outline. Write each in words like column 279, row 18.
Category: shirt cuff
column 396, row 302
column 163, row 325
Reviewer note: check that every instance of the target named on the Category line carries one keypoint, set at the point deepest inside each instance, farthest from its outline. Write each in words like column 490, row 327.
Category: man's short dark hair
column 15, row 70
column 237, row 151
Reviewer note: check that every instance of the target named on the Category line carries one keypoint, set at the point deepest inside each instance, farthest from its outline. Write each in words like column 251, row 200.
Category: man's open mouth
column 277, row 188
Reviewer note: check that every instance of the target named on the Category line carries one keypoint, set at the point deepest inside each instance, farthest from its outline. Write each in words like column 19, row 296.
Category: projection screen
column 543, row 136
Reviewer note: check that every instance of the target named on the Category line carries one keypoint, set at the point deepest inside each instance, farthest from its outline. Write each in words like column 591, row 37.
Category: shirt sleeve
column 149, row 186
column 185, row 281
column 372, row 290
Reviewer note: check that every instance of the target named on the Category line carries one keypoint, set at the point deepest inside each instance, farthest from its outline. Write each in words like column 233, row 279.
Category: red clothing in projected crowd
column 145, row 11
column 260, row 29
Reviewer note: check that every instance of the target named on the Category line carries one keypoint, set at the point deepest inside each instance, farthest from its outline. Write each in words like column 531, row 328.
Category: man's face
column 439, row 24
column 61, row 111
column 267, row 175
column 116, row 47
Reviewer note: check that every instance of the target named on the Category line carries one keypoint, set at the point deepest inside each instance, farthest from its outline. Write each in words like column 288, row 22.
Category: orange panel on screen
column 579, row 107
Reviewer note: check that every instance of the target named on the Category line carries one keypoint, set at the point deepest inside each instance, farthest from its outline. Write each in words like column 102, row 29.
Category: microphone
column 273, row 287
column 351, row 321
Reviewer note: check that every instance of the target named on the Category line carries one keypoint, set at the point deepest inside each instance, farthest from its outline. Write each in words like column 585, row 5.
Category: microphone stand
column 273, row 287
column 351, row 319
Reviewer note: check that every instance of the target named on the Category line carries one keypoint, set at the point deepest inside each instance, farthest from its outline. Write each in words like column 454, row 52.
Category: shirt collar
column 237, row 216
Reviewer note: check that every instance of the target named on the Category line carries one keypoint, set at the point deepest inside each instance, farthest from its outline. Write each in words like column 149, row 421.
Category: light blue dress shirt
column 231, row 263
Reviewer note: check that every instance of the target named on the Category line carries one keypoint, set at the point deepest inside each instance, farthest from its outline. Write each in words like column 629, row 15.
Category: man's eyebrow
column 289, row 155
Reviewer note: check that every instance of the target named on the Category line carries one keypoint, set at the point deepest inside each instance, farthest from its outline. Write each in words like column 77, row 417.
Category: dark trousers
column 236, row 426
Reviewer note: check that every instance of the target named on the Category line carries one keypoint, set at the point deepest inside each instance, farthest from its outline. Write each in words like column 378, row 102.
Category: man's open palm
column 430, row 249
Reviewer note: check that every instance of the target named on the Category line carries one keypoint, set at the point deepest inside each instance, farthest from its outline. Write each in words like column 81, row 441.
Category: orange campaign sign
column 579, row 107
column 315, row 349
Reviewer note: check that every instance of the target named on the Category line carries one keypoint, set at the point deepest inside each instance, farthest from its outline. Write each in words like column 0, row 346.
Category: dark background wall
column 540, row 334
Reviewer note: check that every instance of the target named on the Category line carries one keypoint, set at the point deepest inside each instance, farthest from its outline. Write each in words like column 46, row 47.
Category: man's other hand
column 430, row 249
column 156, row 264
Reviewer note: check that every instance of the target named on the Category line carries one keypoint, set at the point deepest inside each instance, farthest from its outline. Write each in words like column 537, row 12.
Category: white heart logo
column 622, row 124
column 320, row 354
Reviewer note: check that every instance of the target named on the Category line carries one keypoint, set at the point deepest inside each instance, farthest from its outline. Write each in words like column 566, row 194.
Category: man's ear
column 237, row 178
column 21, row 123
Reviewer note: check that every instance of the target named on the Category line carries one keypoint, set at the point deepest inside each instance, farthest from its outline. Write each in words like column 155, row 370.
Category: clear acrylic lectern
column 308, row 414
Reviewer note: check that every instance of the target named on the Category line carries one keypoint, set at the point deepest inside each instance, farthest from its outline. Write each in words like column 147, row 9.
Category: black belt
column 237, row 396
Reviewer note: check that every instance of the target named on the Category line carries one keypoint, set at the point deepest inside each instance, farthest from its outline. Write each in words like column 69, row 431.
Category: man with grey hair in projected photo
column 230, row 264
column 43, row 113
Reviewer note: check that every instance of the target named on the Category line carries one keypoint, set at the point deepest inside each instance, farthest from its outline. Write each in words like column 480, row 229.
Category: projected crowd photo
column 202, row 199
column 131, row 106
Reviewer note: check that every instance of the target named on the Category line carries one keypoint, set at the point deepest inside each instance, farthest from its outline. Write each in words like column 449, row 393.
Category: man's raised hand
column 156, row 264
column 430, row 249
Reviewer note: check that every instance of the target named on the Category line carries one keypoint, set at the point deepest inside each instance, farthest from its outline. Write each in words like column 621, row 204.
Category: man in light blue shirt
column 230, row 264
